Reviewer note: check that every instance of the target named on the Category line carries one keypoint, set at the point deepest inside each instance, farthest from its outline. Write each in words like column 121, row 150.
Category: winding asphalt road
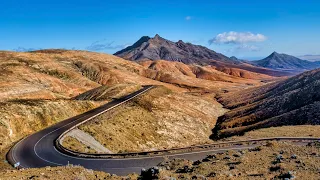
column 38, row 150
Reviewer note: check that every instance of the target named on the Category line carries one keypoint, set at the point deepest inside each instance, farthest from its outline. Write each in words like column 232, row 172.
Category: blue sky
column 247, row 28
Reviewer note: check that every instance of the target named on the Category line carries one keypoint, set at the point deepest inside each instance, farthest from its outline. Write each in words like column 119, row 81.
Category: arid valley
column 159, row 97
column 190, row 104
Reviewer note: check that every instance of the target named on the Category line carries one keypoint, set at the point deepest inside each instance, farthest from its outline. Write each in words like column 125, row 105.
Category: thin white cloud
column 188, row 18
column 233, row 37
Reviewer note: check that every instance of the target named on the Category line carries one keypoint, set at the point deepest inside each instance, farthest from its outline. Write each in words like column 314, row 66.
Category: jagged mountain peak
column 160, row 48
column 157, row 36
column 274, row 54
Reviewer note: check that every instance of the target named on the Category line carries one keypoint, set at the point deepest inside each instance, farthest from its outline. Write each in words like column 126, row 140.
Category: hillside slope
column 295, row 101
column 50, row 74
column 205, row 72
column 158, row 119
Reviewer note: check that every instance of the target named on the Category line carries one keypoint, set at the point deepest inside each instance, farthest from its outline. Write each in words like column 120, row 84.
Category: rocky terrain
column 64, row 172
column 291, row 102
column 272, row 161
column 285, row 62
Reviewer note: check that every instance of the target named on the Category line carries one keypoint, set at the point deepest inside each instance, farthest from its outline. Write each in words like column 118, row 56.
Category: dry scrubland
column 158, row 119
column 40, row 88
column 68, row 172
column 273, row 161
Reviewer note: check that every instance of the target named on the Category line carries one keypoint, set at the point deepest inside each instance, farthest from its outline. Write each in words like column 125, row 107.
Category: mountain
column 157, row 48
column 285, row 62
column 295, row 101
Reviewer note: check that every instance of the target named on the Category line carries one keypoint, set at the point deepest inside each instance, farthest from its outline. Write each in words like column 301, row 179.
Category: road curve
column 38, row 150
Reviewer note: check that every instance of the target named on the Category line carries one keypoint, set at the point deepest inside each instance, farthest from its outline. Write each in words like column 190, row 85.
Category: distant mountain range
column 157, row 48
column 285, row 62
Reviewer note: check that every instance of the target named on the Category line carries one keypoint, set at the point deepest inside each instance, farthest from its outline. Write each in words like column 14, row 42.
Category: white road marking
column 13, row 152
